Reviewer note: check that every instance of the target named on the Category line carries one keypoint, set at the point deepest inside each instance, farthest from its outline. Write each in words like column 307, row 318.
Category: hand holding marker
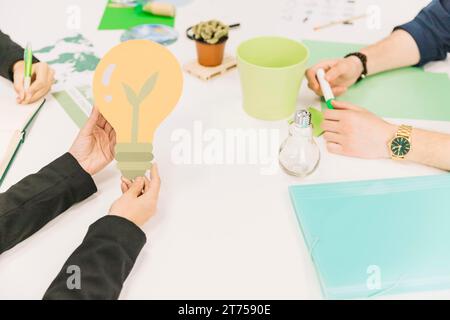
column 326, row 89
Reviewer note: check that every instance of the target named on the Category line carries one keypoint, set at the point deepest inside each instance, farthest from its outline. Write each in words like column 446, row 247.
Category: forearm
column 424, row 39
column 38, row 198
column 104, row 260
column 396, row 51
column 430, row 148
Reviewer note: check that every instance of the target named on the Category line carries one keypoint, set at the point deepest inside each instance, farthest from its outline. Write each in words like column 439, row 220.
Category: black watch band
column 363, row 58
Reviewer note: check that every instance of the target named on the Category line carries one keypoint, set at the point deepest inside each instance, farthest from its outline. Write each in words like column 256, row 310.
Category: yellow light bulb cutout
column 136, row 86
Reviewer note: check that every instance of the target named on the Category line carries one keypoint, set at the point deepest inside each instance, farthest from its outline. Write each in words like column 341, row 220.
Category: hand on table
column 356, row 132
column 340, row 73
column 42, row 78
column 93, row 148
column 139, row 199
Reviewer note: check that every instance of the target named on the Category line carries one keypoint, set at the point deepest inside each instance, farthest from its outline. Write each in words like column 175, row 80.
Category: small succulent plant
column 210, row 31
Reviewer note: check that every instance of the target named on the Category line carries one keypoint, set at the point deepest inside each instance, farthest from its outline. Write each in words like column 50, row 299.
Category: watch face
column 400, row 146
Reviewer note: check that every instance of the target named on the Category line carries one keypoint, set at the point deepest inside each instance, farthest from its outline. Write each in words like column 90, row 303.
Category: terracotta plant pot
column 210, row 55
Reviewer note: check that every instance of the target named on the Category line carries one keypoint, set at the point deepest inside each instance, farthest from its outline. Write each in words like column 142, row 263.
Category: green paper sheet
column 409, row 93
column 321, row 50
column 125, row 18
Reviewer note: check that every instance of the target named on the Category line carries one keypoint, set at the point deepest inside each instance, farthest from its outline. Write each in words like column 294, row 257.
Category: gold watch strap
column 404, row 131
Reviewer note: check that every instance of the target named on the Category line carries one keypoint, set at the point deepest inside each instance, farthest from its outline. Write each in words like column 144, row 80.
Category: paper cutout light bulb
column 136, row 85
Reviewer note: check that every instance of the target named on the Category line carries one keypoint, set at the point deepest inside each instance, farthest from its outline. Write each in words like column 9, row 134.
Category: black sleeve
column 102, row 262
column 10, row 53
column 38, row 198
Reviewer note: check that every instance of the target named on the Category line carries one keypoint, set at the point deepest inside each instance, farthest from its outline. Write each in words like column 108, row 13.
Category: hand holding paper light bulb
column 136, row 85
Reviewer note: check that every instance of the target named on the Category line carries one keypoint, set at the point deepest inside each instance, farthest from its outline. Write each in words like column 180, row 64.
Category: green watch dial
column 400, row 146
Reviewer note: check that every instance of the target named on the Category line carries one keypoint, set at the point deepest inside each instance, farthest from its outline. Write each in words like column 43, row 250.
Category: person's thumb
column 18, row 85
column 136, row 187
column 123, row 187
column 92, row 120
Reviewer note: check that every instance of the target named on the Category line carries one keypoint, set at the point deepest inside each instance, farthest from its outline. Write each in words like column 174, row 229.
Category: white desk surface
column 221, row 231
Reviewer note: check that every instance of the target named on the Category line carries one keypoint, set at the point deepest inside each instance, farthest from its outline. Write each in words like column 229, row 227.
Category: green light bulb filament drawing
column 135, row 101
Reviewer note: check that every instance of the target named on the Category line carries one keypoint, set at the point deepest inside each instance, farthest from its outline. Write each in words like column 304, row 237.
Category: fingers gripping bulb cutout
column 136, row 86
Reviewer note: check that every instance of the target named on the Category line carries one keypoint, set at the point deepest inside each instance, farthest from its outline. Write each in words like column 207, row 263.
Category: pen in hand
column 32, row 78
column 28, row 59
column 326, row 89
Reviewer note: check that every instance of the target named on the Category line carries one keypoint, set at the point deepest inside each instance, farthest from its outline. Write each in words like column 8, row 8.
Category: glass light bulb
column 299, row 154
column 136, row 86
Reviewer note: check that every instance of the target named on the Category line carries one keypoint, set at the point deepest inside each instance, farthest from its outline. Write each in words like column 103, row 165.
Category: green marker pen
column 28, row 59
column 326, row 89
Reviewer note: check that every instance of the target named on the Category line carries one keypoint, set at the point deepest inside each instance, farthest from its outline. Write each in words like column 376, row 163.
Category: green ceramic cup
column 271, row 71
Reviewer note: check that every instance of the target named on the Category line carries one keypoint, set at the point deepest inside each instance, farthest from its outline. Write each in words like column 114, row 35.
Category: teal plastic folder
column 371, row 238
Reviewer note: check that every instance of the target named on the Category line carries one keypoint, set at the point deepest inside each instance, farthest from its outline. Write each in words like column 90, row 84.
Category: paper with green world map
column 74, row 61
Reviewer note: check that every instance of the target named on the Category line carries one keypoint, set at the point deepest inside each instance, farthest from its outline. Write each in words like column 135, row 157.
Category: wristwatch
column 400, row 145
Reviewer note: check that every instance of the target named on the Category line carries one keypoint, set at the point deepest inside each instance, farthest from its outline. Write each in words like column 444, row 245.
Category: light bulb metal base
column 133, row 159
